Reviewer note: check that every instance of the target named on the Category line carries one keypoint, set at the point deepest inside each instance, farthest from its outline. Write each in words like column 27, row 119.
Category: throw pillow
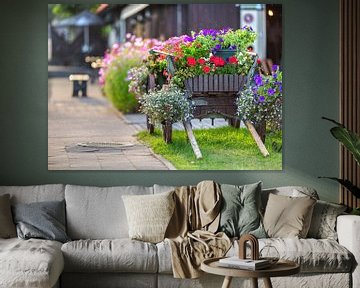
column 7, row 227
column 240, row 213
column 44, row 220
column 149, row 215
column 323, row 222
column 288, row 217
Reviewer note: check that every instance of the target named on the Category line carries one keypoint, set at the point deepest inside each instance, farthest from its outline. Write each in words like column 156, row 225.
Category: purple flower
column 232, row 47
column 254, row 89
column 271, row 91
column 188, row 39
column 274, row 75
column 258, row 80
column 217, row 47
column 221, row 40
column 247, row 27
column 280, row 88
column 261, row 99
column 275, row 67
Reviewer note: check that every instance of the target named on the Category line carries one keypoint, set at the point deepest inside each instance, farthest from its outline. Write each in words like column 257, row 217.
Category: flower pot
column 225, row 53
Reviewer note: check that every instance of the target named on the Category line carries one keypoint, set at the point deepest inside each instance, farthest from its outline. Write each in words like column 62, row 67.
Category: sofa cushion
column 290, row 191
column 36, row 193
column 30, row 263
column 7, row 226
column 149, row 215
column 98, row 213
column 43, row 220
column 323, row 222
column 313, row 255
column 240, row 210
column 117, row 255
column 287, row 216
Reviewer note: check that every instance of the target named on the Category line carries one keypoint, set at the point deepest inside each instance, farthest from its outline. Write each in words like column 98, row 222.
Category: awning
column 132, row 9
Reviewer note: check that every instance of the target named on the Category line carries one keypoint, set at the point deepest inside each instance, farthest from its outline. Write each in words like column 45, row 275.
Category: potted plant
column 199, row 54
column 351, row 141
column 261, row 103
column 165, row 106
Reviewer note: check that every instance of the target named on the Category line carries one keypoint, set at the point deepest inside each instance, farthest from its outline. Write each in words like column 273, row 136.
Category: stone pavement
column 86, row 133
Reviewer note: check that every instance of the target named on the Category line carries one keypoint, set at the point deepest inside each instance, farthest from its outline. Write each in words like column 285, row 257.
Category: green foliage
column 167, row 104
column 117, row 87
column 241, row 38
column 68, row 10
column 263, row 100
column 351, row 141
column 223, row 148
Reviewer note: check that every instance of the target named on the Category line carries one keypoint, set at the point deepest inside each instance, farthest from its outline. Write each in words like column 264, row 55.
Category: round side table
column 281, row 268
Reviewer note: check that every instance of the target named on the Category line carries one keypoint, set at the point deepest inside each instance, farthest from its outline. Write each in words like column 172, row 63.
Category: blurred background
column 77, row 31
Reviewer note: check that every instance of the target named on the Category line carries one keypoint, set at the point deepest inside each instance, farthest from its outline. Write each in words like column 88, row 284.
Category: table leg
column 227, row 282
column 254, row 282
column 267, row 283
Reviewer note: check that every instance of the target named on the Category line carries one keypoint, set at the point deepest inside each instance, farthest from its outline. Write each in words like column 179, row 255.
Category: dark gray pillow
column 7, row 227
column 44, row 220
column 240, row 213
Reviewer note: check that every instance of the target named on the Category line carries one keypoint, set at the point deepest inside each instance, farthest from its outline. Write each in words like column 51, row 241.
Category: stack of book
column 248, row 264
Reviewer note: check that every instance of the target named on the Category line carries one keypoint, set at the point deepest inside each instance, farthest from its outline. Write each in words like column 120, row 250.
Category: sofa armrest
column 348, row 230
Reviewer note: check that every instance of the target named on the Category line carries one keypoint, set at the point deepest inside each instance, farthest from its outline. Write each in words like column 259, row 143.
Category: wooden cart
column 211, row 96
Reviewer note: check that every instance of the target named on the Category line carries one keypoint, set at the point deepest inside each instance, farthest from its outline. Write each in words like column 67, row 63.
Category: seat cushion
column 30, row 263
column 98, row 213
column 117, row 255
column 313, row 255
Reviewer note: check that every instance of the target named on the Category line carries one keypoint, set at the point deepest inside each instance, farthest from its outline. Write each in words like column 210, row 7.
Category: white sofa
column 101, row 254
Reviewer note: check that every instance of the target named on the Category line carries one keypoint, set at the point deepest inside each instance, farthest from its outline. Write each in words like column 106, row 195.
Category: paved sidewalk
column 85, row 133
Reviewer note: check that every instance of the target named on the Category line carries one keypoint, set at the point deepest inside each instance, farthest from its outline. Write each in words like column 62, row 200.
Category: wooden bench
column 79, row 84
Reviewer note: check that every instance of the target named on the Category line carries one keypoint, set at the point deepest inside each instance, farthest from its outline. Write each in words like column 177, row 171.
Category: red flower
column 191, row 61
column 233, row 60
column 218, row 61
column 201, row 61
column 258, row 61
column 206, row 69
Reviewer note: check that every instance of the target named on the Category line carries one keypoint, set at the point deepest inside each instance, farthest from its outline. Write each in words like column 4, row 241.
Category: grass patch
column 224, row 148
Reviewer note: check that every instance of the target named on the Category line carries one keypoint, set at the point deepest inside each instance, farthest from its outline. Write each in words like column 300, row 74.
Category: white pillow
column 149, row 215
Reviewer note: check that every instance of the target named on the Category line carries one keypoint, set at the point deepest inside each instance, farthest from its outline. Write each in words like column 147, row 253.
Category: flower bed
column 114, row 72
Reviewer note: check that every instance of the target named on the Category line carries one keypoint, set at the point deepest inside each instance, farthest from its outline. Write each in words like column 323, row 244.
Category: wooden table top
column 281, row 268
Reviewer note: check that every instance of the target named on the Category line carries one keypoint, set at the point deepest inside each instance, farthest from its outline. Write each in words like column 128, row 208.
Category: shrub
column 263, row 100
column 113, row 74
column 167, row 104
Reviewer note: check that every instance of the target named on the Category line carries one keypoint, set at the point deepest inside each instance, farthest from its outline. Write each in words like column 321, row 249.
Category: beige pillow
column 149, row 215
column 288, row 217
column 7, row 226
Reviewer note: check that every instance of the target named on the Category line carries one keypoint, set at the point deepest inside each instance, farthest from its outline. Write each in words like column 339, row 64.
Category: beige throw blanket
column 191, row 231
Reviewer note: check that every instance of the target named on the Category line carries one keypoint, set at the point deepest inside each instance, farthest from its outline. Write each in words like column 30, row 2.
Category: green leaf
column 347, row 184
column 348, row 138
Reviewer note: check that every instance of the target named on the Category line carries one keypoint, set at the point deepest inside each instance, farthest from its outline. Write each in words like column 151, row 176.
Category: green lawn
column 223, row 148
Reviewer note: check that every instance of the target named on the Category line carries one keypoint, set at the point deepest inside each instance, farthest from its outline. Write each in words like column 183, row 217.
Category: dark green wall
column 311, row 90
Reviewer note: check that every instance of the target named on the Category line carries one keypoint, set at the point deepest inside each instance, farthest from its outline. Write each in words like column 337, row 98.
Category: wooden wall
column 349, row 90
column 212, row 16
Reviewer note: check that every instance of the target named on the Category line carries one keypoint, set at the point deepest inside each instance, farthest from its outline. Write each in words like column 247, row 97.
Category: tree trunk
column 167, row 131
column 150, row 127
